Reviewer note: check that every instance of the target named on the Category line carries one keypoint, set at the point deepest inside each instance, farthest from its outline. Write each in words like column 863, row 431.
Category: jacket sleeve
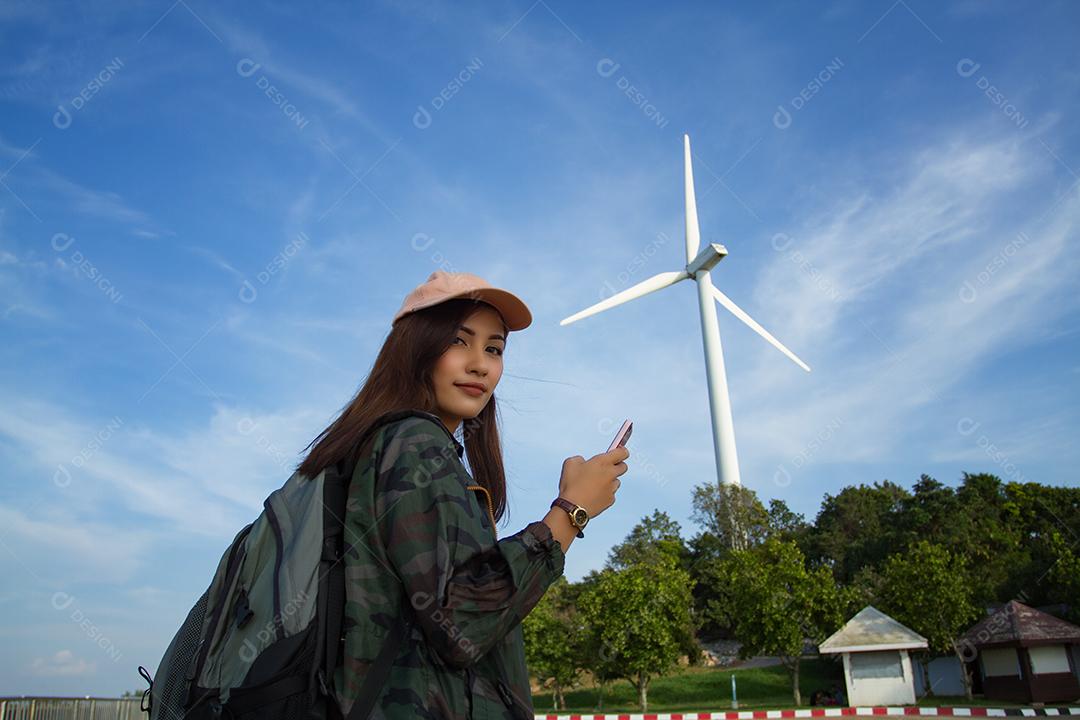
column 467, row 590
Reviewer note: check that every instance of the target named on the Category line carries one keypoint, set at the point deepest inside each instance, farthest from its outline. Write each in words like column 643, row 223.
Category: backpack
column 263, row 640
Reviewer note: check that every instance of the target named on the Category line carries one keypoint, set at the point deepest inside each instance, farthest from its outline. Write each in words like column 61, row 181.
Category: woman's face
column 474, row 357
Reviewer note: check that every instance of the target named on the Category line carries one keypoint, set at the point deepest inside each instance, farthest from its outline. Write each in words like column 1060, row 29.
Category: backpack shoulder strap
column 379, row 672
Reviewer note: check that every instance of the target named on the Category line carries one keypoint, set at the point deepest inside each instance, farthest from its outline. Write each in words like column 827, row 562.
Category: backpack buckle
column 322, row 682
column 242, row 612
column 330, row 549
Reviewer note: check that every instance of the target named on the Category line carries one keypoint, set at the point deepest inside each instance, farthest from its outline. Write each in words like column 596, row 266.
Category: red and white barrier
column 825, row 712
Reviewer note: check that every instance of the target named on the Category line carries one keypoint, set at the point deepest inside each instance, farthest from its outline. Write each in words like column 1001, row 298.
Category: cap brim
column 514, row 312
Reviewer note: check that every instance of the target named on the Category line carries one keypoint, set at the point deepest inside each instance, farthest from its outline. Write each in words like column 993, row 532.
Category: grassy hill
column 701, row 689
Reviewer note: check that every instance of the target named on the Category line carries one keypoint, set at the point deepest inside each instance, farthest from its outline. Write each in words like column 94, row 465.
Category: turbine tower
column 698, row 265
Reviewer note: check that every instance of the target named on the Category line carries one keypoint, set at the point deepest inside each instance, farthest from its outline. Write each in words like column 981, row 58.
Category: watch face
column 581, row 517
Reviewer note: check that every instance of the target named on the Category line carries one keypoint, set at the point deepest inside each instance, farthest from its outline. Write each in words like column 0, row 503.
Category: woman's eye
column 497, row 349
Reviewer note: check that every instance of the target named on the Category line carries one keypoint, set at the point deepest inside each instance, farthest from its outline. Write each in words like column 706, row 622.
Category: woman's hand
column 592, row 483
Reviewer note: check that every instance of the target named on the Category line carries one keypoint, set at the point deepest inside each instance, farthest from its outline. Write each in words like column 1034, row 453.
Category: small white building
column 877, row 667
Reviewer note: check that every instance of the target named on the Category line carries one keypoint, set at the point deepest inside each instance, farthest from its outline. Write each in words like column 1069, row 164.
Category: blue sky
column 210, row 212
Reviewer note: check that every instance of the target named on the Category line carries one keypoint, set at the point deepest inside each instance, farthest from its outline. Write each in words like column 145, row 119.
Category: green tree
column 552, row 650
column 930, row 513
column 644, row 544
column 1046, row 523
column 710, row 585
column 785, row 524
column 776, row 603
column 602, row 660
column 1064, row 576
column 732, row 513
column 992, row 538
column 652, row 535
column 927, row 589
column 856, row 527
column 637, row 618
column 864, row 589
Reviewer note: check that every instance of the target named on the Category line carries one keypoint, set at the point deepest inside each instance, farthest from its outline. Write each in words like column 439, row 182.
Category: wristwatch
column 579, row 516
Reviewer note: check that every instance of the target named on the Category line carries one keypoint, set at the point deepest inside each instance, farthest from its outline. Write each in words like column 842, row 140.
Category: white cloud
column 79, row 198
column 15, row 293
column 244, row 42
column 898, row 335
column 65, row 547
column 62, row 662
column 104, row 204
column 206, row 481
column 217, row 261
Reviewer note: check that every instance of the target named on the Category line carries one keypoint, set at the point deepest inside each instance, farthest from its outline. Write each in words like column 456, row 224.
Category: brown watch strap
column 570, row 508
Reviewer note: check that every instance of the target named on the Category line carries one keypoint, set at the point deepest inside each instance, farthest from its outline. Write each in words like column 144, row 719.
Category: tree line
column 935, row 558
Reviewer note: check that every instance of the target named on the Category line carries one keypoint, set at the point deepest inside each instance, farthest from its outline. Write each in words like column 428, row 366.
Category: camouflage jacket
column 418, row 528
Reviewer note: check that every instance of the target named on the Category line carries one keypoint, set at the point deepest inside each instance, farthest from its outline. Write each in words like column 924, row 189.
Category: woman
column 422, row 554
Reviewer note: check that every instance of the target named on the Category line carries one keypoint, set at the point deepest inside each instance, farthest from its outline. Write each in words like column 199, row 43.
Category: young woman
column 434, row 600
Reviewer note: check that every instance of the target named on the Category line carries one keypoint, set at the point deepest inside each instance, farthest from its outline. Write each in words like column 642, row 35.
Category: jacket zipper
column 468, row 692
column 510, row 700
column 491, row 511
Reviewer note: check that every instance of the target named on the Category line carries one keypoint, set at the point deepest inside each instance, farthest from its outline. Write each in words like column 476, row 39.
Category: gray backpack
column 264, row 640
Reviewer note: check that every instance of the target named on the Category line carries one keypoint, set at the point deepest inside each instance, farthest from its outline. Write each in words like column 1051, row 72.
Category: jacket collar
column 457, row 446
column 430, row 416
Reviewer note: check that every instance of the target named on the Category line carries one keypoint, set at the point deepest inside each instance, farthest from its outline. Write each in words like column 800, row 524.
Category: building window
column 1000, row 662
column 885, row 664
column 1049, row 659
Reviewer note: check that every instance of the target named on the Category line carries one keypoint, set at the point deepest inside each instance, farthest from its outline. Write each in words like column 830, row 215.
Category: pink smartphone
column 622, row 436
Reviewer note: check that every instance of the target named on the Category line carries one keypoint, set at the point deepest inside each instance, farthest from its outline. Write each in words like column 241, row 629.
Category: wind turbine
column 698, row 265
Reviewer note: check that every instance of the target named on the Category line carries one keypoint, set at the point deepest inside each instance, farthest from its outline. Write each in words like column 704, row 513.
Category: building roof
column 869, row 630
column 1017, row 624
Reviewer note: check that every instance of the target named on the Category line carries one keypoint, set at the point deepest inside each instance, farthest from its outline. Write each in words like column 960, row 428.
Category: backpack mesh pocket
column 167, row 703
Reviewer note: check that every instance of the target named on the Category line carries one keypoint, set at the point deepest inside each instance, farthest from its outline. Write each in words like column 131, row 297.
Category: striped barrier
column 826, row 712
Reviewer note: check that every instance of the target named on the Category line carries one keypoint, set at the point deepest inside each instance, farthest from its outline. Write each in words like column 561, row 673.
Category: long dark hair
column 401, row 379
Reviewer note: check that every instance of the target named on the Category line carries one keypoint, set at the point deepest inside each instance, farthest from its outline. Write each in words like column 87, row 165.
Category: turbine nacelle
column 707, row 258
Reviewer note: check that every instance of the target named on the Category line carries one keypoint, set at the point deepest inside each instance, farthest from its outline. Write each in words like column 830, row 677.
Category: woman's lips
column 472, row 390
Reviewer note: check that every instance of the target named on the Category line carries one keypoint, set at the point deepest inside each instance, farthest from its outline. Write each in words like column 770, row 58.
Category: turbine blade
column 656, row 282
column 693, row 233
column 739, row 313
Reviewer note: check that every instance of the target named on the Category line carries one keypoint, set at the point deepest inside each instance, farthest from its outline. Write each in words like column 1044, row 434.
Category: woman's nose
column 479, row 363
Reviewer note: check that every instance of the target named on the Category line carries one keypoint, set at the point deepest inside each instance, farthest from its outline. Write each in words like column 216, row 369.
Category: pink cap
column 441, row 286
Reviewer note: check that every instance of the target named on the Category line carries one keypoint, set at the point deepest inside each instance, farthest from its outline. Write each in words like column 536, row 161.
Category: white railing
column 46, row 708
